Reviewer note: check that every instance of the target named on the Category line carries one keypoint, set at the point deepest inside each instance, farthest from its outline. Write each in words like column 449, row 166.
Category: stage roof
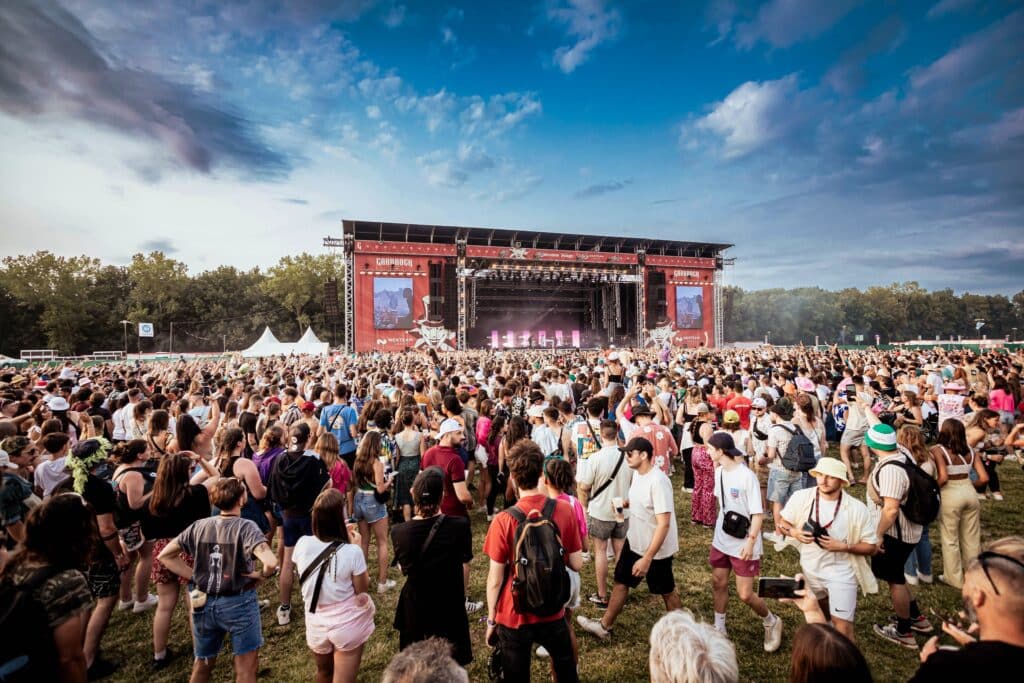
column 503, row 237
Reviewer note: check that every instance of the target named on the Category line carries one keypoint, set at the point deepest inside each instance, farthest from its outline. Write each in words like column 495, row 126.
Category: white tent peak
column 267, row 337
column 309, row 337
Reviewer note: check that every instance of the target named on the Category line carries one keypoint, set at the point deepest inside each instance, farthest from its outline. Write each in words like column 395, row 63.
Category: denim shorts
column 237, row 615
column 294, row 528
column 782, row 484
column 367, row 509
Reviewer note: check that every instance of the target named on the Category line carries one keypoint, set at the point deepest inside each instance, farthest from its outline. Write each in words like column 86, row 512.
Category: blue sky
column 835, row 143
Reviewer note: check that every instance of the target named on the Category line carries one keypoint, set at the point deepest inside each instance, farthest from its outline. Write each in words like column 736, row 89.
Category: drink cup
column 617, row 503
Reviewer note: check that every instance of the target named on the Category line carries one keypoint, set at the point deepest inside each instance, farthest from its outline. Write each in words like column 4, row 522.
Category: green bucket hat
column 881, row 437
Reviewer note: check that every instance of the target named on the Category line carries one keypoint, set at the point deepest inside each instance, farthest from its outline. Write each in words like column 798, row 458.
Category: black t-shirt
column 194, row 506
column 962, row 665
column 99, row 494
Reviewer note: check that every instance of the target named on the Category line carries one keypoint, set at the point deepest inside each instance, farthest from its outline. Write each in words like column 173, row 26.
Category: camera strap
column 817, row 509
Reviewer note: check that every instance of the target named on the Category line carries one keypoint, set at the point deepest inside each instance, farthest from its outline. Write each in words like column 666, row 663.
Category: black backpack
column 923, row 497
column 540, row 582
column 27, row 651
column 799, row 455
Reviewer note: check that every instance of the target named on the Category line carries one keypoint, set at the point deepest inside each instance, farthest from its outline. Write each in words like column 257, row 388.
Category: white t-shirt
column 951, row 406
column 817, row 562
column 743, row 495
column 598, row 469
column 779, row 436
column 649, row 495
column 50, row 473
column 546, row 439
column 337, row 585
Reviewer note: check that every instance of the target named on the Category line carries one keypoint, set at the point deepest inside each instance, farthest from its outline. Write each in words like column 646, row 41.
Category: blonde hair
column 327, row 449
column 684, row 650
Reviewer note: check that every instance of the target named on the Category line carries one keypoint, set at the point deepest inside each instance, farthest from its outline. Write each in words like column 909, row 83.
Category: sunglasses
column 988, row 555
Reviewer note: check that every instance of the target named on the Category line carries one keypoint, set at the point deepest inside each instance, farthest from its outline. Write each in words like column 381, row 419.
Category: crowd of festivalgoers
column 138, row 486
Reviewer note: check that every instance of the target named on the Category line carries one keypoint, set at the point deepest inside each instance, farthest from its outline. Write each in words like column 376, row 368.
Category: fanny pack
column 733, row 523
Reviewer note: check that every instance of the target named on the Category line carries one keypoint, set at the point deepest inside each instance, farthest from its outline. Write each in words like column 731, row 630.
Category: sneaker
column 686, row 490
column 924, row 578
column 889, row 632
column 542, row 652
column 773, row 635
column 593, row 627
column 772, row 537
column 284, row 615
column 598, row 600
column 490, row 518
column 586, row 557
column 101, row 668
column 146, row 605
column 472, row 606
column 264, row 604
column 161, row 664
column 911, row 578
column 125, row 605
column 997, row 496
column 982, row 496
column 386, row 586
column 920, row 624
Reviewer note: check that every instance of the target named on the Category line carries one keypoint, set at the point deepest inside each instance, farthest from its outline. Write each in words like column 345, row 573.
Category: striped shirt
column 892, row 482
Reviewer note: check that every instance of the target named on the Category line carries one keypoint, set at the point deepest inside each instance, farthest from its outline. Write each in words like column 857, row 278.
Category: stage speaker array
column 331, row 301
column 657, row 302
column 450, row 289
column 437, row 297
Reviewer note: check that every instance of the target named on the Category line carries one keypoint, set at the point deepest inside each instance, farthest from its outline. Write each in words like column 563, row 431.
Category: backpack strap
column 876, row 474
column 426, row 543
column 608, row 482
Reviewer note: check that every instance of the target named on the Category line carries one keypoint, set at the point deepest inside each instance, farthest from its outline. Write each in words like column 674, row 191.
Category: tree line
column 76, row 305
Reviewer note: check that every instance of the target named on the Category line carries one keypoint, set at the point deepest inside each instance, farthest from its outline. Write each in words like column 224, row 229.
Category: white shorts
column 480, row 455
column 842, row 596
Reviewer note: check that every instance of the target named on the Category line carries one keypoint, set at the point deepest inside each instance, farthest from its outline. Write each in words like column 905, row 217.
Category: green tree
column 297, row 284
column 157, row 284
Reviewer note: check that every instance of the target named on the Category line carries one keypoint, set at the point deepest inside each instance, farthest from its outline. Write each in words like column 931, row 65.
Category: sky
column 835, row 144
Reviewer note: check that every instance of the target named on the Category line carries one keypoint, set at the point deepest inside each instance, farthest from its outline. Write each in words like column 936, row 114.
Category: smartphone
column 851, row 393
column 776, row 588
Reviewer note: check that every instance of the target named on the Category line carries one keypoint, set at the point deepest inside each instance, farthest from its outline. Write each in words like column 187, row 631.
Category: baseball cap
column 730, row 416
column 759, row 403
column 638, row 443
column 723, row 442
column 307, row 407
column 449, row 426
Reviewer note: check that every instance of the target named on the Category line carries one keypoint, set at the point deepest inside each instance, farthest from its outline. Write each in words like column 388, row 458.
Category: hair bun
column 295, row 441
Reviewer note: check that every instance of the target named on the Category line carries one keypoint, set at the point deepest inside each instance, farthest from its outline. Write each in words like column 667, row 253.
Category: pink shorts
column 720, row 560
column 340, row 626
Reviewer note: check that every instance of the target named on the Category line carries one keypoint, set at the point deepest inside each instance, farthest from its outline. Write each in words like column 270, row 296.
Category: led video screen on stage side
column 689, row 308
column 392, row 303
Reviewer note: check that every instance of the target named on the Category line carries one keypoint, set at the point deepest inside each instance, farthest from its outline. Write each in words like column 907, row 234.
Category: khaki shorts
column 853, row 437
column 602, row 530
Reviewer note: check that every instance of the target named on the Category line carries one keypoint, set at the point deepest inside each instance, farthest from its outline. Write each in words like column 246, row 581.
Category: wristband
column 492, row 622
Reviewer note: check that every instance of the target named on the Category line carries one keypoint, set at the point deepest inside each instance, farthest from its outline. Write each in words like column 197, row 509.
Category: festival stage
column 444, row 287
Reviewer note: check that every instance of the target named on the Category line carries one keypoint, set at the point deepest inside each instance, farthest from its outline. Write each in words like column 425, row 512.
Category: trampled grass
column 285, row 656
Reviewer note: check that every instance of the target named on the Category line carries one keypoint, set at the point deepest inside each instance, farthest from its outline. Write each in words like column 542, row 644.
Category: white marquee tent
column 268, row 345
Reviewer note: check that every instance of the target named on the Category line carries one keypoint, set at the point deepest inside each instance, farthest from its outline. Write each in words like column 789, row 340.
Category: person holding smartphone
column 835, row 536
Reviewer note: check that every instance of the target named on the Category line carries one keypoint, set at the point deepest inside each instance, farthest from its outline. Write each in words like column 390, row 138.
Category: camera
column 814, row 529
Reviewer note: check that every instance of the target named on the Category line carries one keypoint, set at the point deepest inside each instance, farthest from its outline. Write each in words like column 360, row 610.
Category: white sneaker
column 125, row 605
column 911, row 579
column 593, row 626
column 586, row 557
column 386, row 586
column 773, row 635
column 686, row 490
column 472, row 606
column 490, row 518
column 772, row 537
column 542, row 652
column 982, row 496
column 997, row 496
column 284, row 615
column 924, row 578
column 146, row 605
column 264, row 604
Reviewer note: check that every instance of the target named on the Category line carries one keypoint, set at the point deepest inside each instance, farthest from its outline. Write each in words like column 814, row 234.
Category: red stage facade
column 416, row 286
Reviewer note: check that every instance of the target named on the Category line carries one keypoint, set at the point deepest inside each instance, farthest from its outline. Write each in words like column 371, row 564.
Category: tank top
column 963, row 469
column 408, row 444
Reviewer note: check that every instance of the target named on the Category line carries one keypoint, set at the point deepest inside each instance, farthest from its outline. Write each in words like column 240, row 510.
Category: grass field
column 286, row 658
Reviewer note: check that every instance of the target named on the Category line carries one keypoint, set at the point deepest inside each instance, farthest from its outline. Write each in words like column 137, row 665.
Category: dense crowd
column 217, row 475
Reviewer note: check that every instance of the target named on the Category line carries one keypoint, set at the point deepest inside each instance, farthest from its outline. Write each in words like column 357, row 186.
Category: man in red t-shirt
column 740, row 403
column 457, row 499
column 517, row 631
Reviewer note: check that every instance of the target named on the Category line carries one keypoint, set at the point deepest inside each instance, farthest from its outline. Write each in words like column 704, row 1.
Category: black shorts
column 104, row 578
column 888, row 566
column 660, row 580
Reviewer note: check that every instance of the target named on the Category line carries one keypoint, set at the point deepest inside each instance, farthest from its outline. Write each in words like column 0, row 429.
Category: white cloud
column 783, row 23
column 977, row 58
column 373, row 112
column 473, row 158
column 448, row 36
column 395, row 16
column 944, row 7
column 440, row 171
column 751, row 116
column 386, row 141
column 434, row 108
column 385, row 88
column 499, row 114
column 589, row 23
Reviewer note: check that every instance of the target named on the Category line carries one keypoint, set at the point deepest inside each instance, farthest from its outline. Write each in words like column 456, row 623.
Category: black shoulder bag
column 733, row 523
column 321, row 561
column 608, row 482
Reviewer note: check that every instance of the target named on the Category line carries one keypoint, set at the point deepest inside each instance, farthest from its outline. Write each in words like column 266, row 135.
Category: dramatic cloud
column 602, row 188
column 751, row 116
column 52, row 67
column 783, row 23
column 589, row 23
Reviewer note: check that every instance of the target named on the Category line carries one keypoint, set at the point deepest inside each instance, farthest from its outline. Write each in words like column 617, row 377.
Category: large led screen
column 392, row 303
column 689, row 308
